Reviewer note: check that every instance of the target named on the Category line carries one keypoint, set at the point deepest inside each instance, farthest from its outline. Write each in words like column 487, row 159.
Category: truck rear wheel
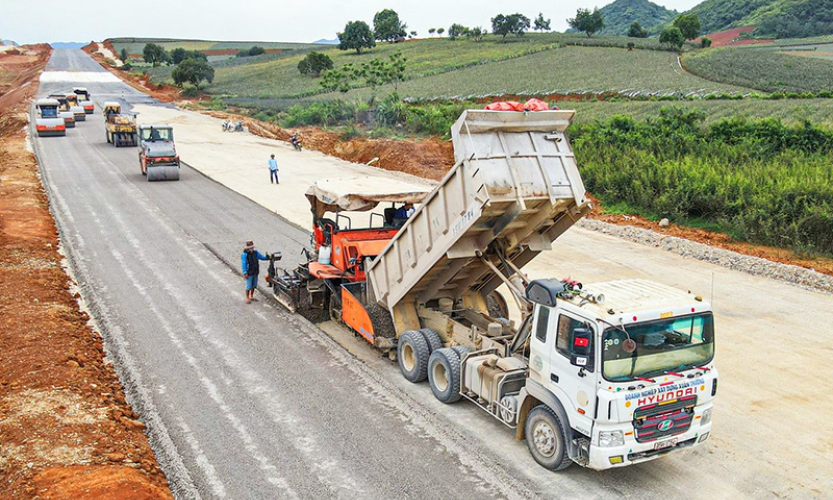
column 444, row 375
column 547, row 439
column 433, row 339
column 412, row 354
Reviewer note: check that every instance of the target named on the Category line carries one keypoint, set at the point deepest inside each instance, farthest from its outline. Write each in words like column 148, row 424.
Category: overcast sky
column 297, row 21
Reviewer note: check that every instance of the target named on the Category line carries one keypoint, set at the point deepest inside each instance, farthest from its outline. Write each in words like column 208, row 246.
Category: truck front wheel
column 444, row 375
column 547, row 439
column 412, row 354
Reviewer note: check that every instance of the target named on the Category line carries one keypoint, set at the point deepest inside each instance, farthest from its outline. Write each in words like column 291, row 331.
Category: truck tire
column 547, row 439
column 412, row 355
column 461, row 351
column 497, row 306
column 433, row 339
column 444, row 375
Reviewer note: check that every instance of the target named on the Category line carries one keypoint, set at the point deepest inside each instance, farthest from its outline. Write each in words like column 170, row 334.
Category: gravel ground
column 799, row 276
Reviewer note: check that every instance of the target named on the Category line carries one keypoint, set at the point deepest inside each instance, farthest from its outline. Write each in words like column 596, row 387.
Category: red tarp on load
column 530, row 105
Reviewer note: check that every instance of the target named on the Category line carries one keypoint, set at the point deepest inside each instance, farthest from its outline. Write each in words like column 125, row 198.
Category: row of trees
column 373, row 73
column 191, row 65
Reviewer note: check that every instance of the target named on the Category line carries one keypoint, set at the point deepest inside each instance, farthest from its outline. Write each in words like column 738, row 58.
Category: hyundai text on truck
column 603, row 375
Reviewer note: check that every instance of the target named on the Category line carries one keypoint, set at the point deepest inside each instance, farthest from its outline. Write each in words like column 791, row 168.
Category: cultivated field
column 762, row 68
column 790, row 111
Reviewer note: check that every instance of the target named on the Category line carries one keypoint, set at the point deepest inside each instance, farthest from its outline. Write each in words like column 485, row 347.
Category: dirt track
column 66, row 431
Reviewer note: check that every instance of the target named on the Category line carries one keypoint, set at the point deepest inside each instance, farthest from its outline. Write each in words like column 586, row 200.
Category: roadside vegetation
column 759, row 180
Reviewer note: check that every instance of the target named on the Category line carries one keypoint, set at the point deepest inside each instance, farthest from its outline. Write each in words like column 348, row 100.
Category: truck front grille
column 664, row 419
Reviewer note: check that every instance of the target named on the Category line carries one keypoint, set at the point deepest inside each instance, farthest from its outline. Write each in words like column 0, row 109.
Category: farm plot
column 567, row 70
column 279, row 78
column 762, row 69
column 790, row 111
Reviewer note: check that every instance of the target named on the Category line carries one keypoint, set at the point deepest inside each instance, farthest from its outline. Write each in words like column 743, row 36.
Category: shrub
column 765, row 181
column 315, row 63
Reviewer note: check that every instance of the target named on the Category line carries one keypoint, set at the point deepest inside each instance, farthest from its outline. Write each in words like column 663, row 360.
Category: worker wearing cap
column 273, row 170
column 251, row 268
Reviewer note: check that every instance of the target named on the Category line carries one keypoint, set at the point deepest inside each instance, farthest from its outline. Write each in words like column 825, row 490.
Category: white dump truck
column 48, row 121
column 157, row 152
column 604, row 375
column 76, row 108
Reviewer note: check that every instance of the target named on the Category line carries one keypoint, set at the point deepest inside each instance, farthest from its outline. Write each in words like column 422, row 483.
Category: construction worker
column 251, row 268
column 273, row 170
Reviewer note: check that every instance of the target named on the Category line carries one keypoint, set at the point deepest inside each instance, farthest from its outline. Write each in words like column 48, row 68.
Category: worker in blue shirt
column 273, row 170
column 251, row 268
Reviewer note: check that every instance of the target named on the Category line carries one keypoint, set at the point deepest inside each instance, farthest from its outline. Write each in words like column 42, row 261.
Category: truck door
column 577, row 383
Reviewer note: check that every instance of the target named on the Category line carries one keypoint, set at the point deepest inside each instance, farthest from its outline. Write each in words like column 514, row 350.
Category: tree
column 193, row 71
column 673, row 37
column 124, row 55
column 256, row 50
column 387, row 27
column 356, row 36
column 412, row 34
column 586, row 21
column 456, row 30
column 705, row 42
column 637, row 31
column 689, row 25
column 154, row 54
column 631, row 45
column 378, row 72
column 338, row 79
column 315, row 63
column 440, row 31
column 431, row 31
column 476, row 33
column 542, row 24
column 179, row 54
column 513, row 23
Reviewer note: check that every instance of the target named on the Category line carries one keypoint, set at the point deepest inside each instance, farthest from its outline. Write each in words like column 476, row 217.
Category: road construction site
column 253, row 401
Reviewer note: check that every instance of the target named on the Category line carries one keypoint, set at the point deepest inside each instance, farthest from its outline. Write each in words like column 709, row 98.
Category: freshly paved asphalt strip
column 256, row 403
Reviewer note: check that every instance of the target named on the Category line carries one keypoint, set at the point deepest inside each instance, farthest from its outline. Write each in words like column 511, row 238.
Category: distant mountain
column 67, row 45
column 774, row 18
column 620, row 14
column 9, row 42
column 324, row 41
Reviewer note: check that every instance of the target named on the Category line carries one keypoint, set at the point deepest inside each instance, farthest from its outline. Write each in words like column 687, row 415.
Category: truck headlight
column 611, row 438
column 707, row 417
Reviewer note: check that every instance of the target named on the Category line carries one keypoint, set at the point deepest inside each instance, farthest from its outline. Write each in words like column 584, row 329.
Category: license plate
column 665, row 444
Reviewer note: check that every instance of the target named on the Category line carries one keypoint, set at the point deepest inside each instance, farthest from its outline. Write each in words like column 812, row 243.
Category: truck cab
column 628, row 364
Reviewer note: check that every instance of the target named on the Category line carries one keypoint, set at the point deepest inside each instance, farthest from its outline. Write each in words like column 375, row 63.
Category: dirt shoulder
column 65, row 427
column 432, row 158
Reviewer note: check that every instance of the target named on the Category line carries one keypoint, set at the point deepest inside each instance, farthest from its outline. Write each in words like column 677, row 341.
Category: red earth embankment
column 66, row 431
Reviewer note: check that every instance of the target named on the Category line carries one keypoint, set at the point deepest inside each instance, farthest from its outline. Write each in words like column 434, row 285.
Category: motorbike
column 296, row 142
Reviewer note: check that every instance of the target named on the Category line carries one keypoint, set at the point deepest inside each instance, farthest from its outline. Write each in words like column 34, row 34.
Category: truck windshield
column 664, row 345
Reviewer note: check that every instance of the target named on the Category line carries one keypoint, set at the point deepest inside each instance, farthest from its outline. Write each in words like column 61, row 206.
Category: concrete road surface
column 248, row 401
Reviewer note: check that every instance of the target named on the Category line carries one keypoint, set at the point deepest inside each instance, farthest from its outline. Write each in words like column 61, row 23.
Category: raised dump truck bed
column 514, row 189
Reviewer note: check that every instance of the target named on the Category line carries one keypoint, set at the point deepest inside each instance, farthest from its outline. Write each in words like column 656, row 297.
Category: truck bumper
column 633, row 452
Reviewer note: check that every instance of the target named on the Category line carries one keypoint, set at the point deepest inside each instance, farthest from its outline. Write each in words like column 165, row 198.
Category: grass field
column 762, row 68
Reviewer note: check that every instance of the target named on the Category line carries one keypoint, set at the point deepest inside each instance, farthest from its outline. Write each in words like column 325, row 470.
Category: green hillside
column 770, row 69
column 774, row 18
column 619, row 15
column 442, row 68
